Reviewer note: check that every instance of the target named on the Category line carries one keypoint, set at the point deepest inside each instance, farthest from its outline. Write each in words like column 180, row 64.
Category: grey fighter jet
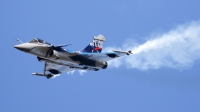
column 58, row 59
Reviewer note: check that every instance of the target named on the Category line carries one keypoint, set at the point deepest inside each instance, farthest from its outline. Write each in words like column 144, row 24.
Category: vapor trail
column 179, row 48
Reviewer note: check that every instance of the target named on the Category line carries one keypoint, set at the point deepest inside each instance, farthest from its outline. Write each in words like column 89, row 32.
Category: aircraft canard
column 58, row 60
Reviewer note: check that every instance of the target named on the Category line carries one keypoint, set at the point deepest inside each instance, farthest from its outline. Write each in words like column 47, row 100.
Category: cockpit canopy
column 37, row 40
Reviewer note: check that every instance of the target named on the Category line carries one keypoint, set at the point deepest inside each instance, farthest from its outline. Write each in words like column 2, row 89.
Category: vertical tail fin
column 96, row 45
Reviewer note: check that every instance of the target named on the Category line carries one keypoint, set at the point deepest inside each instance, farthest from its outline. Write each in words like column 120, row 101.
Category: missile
column 40, row 74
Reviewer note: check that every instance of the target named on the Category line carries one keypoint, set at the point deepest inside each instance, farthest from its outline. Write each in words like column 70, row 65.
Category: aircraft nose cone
column 21, row 47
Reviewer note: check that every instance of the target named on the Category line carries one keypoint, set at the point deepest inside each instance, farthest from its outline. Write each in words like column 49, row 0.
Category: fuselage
column 46, row 52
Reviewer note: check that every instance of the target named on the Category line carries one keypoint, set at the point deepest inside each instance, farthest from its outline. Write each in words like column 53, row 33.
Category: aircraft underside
column 68, row 64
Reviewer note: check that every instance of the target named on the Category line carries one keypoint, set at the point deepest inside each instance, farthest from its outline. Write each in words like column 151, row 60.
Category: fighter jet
column 57, row 59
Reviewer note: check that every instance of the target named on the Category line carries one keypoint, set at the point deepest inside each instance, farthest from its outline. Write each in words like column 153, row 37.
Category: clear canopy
column 37, row 40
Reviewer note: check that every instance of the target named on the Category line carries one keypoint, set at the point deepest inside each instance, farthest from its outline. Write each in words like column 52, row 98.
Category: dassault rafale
column 58, row 59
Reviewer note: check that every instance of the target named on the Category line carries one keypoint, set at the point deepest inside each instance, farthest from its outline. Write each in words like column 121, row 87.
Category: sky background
column 75, row 22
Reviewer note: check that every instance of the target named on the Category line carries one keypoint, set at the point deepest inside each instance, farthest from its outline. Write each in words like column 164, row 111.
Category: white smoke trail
column 179, row 48
column 81, row 72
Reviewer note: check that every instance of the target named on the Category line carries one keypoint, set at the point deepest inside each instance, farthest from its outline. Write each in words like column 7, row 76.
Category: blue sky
column 119, row 89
